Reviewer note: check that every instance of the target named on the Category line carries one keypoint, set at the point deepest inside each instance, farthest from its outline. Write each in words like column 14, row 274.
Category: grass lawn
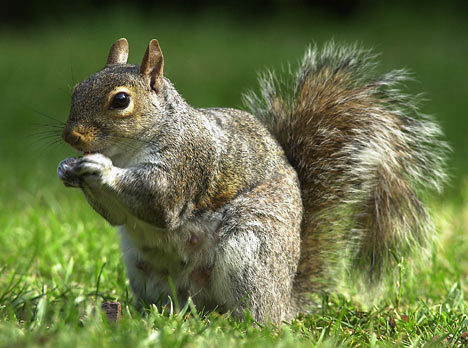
column 59, row 260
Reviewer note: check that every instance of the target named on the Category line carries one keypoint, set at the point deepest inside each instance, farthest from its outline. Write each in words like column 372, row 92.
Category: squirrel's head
column 116, row 105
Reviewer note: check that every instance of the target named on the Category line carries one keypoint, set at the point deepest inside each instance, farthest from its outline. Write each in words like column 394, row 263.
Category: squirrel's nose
column 71, row 136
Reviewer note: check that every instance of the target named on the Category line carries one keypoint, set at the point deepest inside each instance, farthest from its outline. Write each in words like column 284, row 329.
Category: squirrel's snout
column 80, row 137
column 71, row 136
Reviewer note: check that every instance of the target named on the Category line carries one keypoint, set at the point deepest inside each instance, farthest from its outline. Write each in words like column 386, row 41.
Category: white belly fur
column 167, row 253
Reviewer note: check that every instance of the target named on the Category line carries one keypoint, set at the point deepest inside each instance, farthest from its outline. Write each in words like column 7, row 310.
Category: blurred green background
column 55, row 249
column 213, row 52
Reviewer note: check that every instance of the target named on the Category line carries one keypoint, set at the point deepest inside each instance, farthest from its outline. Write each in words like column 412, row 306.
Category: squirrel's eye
column 120, row 101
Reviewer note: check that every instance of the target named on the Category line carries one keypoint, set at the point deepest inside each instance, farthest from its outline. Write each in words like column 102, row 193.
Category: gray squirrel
column 255, row 211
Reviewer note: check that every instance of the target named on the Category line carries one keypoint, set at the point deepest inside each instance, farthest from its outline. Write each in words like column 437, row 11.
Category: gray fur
column 209, row 198
column 382, row 154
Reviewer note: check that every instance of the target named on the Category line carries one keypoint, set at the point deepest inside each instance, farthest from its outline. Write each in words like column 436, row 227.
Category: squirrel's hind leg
column 256, row 261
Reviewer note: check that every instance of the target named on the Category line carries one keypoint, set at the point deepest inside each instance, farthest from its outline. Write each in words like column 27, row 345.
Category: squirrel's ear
column 118, row 53
column 152, row 65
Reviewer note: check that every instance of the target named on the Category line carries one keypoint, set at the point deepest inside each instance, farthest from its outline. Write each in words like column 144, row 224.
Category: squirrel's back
column 363, row 153
column 247, row 155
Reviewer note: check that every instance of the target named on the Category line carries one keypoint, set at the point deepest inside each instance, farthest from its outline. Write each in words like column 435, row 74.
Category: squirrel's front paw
column 64, row 172
column 93, row 170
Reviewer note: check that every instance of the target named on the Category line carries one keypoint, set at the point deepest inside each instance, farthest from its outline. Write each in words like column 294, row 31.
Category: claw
column 64, row 172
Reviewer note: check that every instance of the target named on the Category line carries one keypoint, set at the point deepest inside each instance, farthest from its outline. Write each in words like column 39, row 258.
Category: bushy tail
column 364, row 155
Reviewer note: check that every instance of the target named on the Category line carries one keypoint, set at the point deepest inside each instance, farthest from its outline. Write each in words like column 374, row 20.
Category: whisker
column 44, row 137
column 121, row 145
column 132, row 144
column 40, row 146
column 45, row 131
column 47, row 125
column 49, row 117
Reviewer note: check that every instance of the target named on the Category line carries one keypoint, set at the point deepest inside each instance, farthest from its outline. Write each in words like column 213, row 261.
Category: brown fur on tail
column 363, row 154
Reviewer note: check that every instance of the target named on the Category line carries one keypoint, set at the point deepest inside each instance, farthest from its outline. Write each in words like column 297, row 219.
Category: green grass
column 59, row 260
